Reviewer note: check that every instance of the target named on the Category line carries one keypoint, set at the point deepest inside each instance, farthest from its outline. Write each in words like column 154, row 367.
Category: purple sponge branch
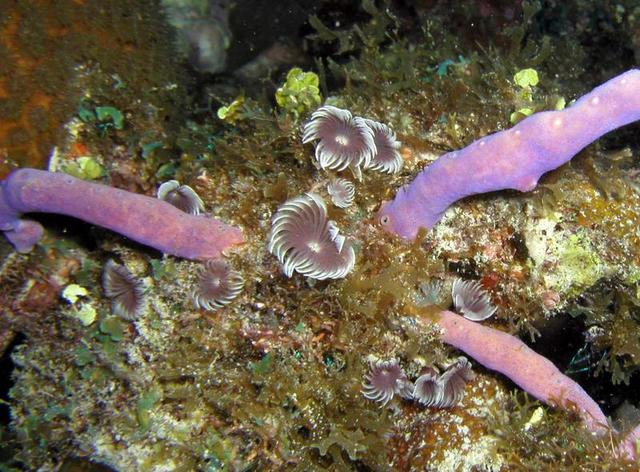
column 529, row 370
column 144, row 219
column 508, row 355
column 514, row 158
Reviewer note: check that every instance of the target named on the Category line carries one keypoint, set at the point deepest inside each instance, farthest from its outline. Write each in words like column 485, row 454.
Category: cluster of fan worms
column 217, row 286
column 386, row 379
column 302, row 238
column 217, row 283
column 347, row 141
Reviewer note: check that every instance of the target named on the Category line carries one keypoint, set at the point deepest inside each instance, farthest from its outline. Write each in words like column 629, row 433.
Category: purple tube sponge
column 144, row 219
column 529, row 370
column 514, row 158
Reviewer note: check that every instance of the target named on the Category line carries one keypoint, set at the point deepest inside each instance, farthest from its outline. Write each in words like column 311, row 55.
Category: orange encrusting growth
column 42, row 43
column 18, row 135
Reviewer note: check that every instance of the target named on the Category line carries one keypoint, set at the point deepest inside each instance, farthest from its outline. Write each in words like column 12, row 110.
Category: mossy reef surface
column 273, row 380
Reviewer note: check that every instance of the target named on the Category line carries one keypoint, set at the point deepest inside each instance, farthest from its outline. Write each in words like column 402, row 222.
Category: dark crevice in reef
column 6, row 381
column 562, row 341
column 76, row 230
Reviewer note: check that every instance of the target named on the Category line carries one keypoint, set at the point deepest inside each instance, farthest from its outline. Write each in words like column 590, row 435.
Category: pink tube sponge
column 529, row 370
column 514, row 158
column 144, row 219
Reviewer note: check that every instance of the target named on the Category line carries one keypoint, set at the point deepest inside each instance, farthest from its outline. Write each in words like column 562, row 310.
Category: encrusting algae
column 271, row 371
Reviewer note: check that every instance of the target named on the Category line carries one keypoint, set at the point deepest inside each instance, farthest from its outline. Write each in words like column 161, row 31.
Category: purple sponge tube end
column 515, row 158
column 24, row 235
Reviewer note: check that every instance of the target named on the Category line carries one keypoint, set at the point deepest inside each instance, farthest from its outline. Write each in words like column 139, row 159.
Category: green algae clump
column 85, row 168
column 232, row 112
column 300, row 93
column 526, row 78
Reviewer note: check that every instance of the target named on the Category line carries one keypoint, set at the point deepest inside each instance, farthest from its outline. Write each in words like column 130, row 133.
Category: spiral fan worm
column 304, row 241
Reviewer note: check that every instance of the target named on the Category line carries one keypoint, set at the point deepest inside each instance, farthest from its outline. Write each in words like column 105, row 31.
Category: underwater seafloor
column 214, row 94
